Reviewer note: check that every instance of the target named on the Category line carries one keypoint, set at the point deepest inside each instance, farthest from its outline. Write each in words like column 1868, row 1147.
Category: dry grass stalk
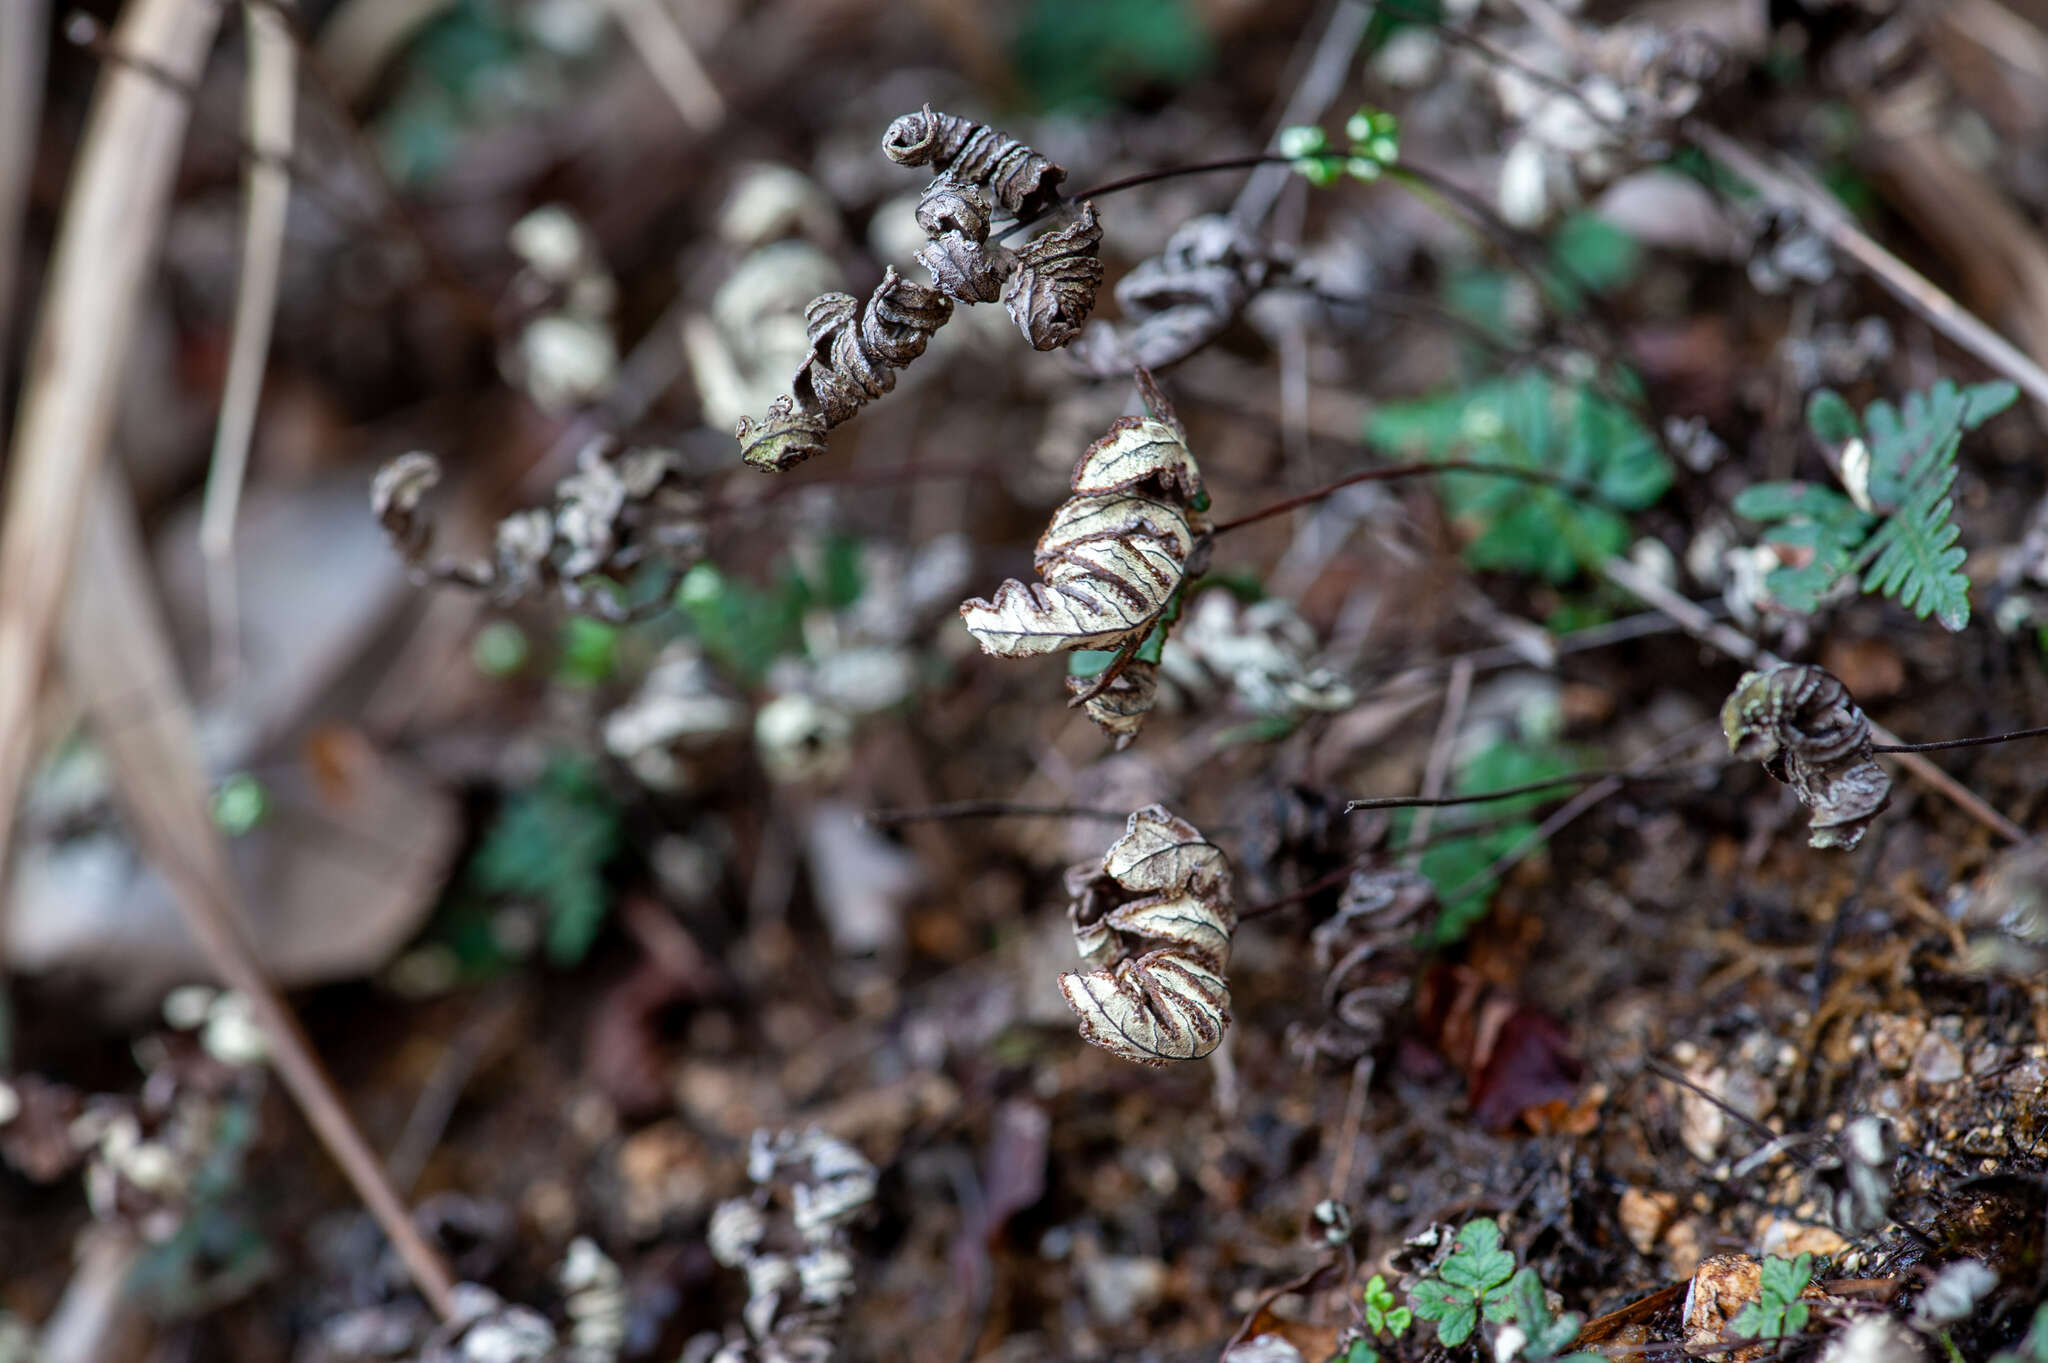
column 117, row 654
column 269, row 104
column 659, row 40
column 113, row 224
column 1826, row 216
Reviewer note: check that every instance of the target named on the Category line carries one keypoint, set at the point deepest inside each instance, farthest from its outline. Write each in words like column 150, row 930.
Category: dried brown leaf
column 1052, row 290
column 1024, row 183
column 1808, row 731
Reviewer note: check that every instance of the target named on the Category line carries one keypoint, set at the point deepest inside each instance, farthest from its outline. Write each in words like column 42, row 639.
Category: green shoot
column 1777, row 1311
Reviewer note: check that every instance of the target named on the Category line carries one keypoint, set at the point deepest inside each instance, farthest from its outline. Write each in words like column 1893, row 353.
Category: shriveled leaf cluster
column 1183, row 298
column 1114, row 561
column 1807, row 730
column 613, row 514
column 1161, row 882
column 985, row 179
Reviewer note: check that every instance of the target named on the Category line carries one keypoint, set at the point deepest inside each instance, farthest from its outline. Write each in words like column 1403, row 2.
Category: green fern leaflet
column 1900, row 535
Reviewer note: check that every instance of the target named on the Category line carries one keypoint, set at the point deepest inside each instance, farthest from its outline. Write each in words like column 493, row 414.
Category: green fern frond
column 1900, row 462
column 1916, row 559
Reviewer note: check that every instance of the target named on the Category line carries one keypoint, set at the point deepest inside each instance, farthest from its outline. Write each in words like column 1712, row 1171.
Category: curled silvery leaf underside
column 1808, row 731
column 610, row 516
column 1114, row 560
column 1162, row 883
column 1181, row 299
column 789, row 1239
column 984, row 179
column 1261, row 652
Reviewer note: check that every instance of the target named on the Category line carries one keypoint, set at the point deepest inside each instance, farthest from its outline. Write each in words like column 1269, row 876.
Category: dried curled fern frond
column 1023, row 182
column 1114, row 560
column 855, row 350
column 1049, row 285
column 608, row 517
column 1160, row 882
column 1808, row 731
column 790, row 1239
column 1183, row 298
column 1052, row 290
column 963, row 265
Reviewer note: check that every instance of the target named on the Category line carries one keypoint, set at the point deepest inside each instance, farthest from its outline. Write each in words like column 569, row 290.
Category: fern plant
column 1531, row 420
column 1895, row 525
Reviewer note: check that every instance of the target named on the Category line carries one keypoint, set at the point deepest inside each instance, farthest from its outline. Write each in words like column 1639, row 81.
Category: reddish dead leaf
column 1514, row 1056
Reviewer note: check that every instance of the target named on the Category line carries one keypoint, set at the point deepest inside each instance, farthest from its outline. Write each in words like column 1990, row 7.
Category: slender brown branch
column 1577, row 778
column 1556, row 480
column 988, row 809
column 1200, row 168
column 1979, row 742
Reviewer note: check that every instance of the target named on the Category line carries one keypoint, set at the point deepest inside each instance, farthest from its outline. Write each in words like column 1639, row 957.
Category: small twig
column 659, row 40
column 1788, row 188
column 1274, row 1294
column 1983, row 741
column 114, row 635
column 1527, row 475
column 1564, row 814
column 1148, row 177
column 1621, row 775
column 1347, row 1134
column 270, row 98
column 987, row 809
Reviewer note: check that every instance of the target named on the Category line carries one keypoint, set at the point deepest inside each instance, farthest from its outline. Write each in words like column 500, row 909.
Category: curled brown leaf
column 1807, row 730
column 1024, row 183
column 1053, row 287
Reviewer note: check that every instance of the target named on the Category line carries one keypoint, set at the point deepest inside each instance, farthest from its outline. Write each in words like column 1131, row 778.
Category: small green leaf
column 1830, row 418
column 1477, row 1261
column 1361, row 1351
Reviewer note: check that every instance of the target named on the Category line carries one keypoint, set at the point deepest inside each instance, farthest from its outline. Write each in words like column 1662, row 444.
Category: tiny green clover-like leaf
column 1477, row 1261
column 1362, row 168
column 1755, row 1322
column 1361, row 1351
column 1450, row 1308
column 1785, row 1279
column 1547, row 1334
column 1398, row 1321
